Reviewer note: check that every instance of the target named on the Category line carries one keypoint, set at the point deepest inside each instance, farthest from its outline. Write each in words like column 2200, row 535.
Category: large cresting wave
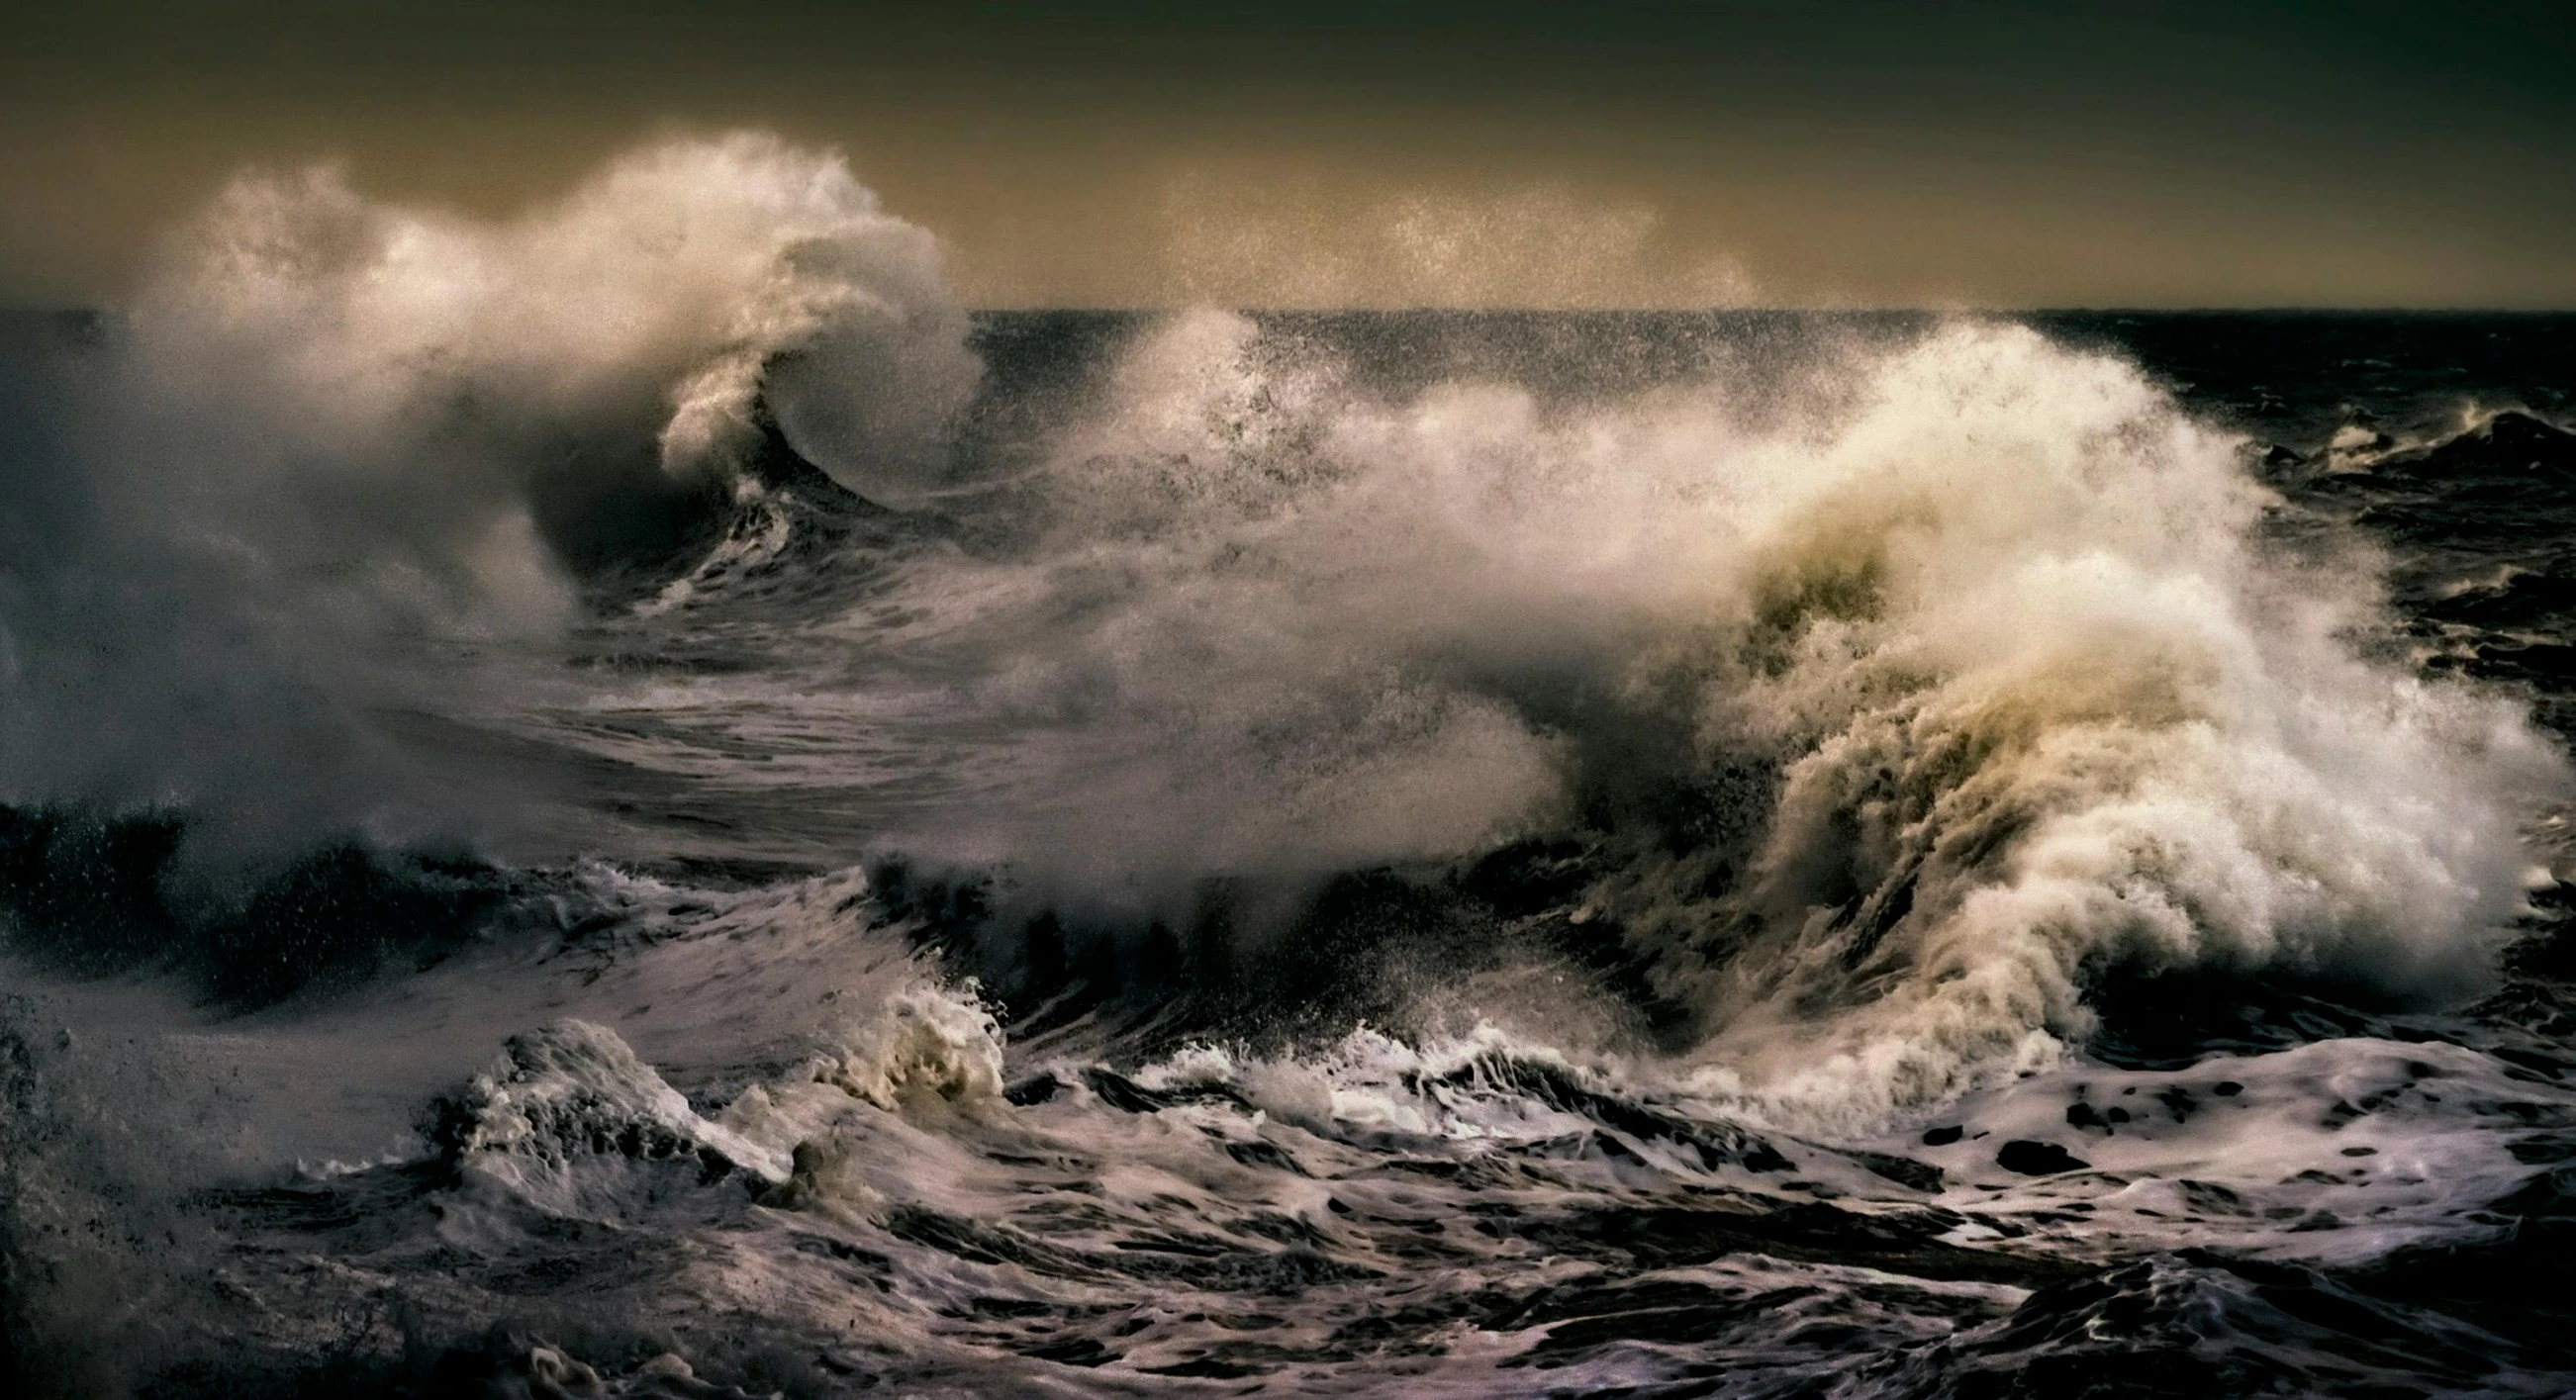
column 1901, row 687
column 340, row 461
column 1882, row 692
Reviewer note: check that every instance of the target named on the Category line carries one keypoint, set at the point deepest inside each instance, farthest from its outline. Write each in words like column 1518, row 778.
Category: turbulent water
column 632, row 802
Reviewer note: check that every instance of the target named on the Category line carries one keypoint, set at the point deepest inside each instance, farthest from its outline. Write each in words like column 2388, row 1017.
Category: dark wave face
column 633, row 802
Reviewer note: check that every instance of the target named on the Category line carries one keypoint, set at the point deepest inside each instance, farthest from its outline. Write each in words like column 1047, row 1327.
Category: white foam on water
column 1999, row 611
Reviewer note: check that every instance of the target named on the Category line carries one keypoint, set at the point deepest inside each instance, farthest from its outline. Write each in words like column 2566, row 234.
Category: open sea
column 641, row 805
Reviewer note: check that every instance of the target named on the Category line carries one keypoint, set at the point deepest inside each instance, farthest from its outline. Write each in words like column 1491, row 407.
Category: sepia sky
column 1842, row 152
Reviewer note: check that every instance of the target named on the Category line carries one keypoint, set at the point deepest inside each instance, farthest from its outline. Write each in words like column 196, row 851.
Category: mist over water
column 342, row 459
column 636, row 776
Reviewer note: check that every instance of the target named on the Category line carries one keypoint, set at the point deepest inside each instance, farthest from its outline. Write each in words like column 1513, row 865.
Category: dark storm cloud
column 2005, row 153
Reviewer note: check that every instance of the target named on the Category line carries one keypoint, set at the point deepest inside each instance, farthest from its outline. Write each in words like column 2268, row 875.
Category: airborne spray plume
column 345, row 460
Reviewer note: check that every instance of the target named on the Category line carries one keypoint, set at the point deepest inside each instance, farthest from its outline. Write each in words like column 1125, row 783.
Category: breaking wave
column 1986, row 633
column 341, row 463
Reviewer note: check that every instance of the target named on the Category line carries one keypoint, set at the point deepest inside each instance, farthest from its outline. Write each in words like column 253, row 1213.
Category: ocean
column 641, row 804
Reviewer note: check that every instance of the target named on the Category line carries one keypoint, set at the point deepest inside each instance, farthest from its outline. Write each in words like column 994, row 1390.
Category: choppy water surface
column 635, row 803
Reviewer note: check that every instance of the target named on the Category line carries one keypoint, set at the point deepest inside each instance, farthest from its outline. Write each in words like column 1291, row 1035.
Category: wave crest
column 2039, row 694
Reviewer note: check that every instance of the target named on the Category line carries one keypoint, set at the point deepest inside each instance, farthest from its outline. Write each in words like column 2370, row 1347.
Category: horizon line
column 18, row 308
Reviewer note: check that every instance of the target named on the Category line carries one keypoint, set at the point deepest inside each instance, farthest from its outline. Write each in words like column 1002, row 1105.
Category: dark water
column 1736, row 854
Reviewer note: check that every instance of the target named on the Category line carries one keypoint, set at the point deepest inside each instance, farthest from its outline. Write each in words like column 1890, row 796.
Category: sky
column 2003, row 153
